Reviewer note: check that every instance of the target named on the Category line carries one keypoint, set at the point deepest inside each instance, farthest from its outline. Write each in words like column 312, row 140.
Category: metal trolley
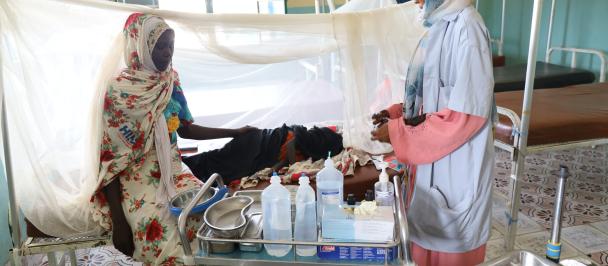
column 205, row 257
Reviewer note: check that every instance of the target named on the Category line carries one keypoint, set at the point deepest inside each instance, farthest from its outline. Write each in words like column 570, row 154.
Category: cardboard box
column 376, row 228
column 355, row 253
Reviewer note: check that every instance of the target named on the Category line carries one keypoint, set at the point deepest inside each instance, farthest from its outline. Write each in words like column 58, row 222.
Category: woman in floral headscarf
column 144, row 109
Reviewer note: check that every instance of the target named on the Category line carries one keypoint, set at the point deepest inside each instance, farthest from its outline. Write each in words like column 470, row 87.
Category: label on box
column 355, row 253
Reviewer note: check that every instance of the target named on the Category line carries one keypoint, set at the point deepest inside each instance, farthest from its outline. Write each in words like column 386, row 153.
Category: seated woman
column 141, row 167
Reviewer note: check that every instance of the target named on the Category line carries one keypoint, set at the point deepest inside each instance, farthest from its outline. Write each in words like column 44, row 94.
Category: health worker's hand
column 381, row 134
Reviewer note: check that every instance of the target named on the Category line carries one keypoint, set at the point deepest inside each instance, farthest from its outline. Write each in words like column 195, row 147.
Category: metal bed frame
column 574, row 51
column 501, row 39
column 550, row 49
column 519, row 148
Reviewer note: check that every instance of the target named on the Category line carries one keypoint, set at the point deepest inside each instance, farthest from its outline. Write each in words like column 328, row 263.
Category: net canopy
column 235, row 69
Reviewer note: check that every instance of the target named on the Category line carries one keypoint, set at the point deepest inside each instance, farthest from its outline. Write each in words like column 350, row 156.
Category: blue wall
column 581, row 24
column 5, row 236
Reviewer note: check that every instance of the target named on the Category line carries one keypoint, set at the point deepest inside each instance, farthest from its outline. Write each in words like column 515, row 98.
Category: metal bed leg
column 14, row 258
column 512, row 213
column 73, row 260
column 522, row 146
column 52, row 259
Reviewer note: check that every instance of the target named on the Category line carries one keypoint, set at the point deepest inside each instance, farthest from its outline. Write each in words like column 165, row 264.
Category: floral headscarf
column 134, row 103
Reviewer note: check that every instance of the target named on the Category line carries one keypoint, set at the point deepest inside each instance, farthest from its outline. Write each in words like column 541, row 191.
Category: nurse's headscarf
column 433, row 11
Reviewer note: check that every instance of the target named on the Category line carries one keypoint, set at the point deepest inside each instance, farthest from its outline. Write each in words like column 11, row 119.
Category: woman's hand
column 245, row 129
column 381, row 134
column 122, row 238
column 380, row 118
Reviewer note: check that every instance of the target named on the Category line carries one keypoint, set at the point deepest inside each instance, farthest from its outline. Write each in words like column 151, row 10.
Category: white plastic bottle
column 306, row 217
column 330, row 186
column 276, row 213
column 384, row 190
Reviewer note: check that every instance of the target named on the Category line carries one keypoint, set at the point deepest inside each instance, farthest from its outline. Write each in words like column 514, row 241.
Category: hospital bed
column 548, row 75
column 574, row 115
column 513, row 77
column 563, row 118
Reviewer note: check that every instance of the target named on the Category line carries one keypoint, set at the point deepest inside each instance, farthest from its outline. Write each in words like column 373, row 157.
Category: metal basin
column 183, row 198
column 520, row 258
column 227, row 218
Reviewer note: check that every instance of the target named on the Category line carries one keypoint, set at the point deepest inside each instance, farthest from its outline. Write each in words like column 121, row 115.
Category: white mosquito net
column 236, row 70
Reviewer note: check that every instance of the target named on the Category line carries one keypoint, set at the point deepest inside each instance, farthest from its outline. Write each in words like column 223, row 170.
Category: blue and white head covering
column 433, row 11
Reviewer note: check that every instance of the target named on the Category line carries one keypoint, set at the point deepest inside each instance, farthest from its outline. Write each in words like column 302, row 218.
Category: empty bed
column 513, row 77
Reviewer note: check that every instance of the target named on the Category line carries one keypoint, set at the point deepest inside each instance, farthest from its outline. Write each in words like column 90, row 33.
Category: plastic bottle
column 276, row 213
column 384, row 191
column 330, row 185
column 306, row 217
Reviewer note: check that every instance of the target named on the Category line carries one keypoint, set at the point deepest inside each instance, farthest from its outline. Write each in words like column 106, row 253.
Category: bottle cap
column 275, row 179
column 350, row 199
column 383, row 176
column 369, row 195
column 329, row 162
column 303, row 179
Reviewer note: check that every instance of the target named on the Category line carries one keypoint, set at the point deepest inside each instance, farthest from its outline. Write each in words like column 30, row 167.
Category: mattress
column 513, row 77
column 559, row 115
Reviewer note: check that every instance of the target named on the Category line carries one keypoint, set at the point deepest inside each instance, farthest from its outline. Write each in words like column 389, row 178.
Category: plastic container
column 306, row 217
column 384, row 192
column 330, row 186
column 276, row 213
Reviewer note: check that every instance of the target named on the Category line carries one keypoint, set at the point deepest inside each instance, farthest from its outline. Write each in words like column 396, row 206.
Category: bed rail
column 574, row 51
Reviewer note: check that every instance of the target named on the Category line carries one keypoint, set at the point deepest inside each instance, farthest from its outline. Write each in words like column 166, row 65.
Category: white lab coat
column 450, row 207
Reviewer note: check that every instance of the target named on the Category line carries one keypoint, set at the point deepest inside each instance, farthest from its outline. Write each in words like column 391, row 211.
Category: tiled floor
column 102, row 256
column 585, row 232
column 585, row 221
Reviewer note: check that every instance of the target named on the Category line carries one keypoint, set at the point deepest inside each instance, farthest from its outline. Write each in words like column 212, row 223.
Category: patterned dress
column 154, row 230
column 133, row 102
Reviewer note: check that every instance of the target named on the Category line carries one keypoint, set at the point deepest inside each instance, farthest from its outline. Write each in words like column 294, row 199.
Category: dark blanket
column 259, row 149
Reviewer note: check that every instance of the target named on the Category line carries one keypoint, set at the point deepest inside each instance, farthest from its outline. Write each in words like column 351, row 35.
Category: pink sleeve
column 395, row 111
column 439, row 135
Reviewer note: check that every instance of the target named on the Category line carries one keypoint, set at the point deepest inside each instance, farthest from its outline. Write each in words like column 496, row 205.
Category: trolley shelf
column 237, row 257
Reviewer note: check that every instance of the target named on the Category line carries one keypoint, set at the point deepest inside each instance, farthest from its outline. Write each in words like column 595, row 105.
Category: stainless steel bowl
column 179, row 201
column 227, row 218
column 182, row 199
column 521, row 258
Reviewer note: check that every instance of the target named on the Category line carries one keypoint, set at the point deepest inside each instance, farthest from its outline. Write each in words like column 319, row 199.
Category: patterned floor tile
column 495, row 234
column 600, row 257
column 494, row 249
column 537, row 242
column 586, row 238
column 602, row 226
column 525, row 224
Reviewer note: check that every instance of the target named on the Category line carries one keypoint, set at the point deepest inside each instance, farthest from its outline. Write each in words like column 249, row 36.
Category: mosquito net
column 235, row 69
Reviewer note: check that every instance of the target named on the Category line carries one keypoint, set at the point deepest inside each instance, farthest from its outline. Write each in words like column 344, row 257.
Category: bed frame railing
column 574, row 52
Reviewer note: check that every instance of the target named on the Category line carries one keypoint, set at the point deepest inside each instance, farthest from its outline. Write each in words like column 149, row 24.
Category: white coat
column 450, row 206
